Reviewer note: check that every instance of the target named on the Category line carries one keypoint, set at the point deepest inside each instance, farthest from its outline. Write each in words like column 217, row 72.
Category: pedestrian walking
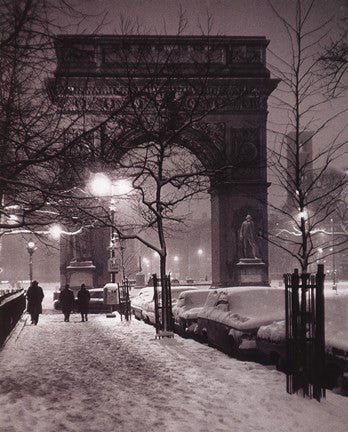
column 67, row 300
column 83, row 297
column 35, row 296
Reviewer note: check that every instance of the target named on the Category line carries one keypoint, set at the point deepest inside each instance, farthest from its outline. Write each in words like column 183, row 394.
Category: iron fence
column 12, row 306
column 305, row 333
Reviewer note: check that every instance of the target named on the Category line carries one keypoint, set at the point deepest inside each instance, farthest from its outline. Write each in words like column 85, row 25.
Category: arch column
column 230, row 204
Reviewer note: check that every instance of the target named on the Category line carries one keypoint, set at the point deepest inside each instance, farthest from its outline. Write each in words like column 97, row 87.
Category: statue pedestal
column 79, row 272
column 252, row 272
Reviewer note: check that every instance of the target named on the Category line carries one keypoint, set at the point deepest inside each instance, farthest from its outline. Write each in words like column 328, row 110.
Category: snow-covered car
column 148, row 311
column 231, row 317
column 271, row 342
column 186, row 310
column 96, row 303
column 137, row 303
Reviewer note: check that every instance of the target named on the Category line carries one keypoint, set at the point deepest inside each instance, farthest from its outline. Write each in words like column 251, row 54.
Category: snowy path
column 110, row 376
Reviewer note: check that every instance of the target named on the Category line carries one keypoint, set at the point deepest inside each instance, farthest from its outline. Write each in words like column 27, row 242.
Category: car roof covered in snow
column 245, row 308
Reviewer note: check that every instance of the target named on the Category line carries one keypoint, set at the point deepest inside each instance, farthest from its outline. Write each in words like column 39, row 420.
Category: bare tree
column 37, row 140
column 31, row 130
column 334, row 57
column 311, row 187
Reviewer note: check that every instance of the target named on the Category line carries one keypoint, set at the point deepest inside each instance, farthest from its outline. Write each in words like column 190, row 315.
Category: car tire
column 232, row 350
column 210, row 342
column 203, row 337
column 182, row 329
column 278, row 361
column 333, row 376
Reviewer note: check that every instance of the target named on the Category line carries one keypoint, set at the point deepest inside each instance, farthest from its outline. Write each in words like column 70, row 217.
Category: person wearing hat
column 83, row 297
column 68, row 300
column 35, row 296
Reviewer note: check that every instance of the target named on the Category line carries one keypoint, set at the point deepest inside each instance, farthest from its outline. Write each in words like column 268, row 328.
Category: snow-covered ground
column 111, row 376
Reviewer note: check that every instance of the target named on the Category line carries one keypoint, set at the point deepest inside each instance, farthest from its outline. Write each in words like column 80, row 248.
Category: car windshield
column 96, row 293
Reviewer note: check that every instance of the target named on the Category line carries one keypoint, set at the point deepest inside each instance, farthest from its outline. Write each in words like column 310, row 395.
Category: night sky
column 231, row 17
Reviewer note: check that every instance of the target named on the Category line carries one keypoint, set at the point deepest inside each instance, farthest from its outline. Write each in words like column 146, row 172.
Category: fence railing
column 305, row 333
column 12, row 306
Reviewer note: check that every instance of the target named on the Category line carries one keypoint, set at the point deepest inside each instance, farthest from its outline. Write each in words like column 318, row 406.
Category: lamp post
column 199, row 253
column 334, row 284
column 320, row 252
column 102, row 186
column 146, row 262
column 31, row 249
column 176, row 266
column 112, row 245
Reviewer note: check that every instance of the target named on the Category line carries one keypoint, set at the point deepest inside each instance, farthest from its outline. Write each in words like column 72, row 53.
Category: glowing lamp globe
column 100, row 185
column 55, row 231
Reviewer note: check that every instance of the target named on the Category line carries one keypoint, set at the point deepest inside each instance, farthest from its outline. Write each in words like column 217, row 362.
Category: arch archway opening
column 170, row 205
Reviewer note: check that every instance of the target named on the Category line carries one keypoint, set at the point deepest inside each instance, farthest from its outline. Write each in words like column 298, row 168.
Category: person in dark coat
column 83, row 297
column 67, row 300
column 35, row 296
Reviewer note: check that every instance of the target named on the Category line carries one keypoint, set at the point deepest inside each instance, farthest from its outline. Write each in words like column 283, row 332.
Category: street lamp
column 146, row 262
column 102, row 186
column 31, row 249
column 334, row 284
column 176, row 266
column 320, row 252
column 199, row 253
column 55, row 231
column 113, row 267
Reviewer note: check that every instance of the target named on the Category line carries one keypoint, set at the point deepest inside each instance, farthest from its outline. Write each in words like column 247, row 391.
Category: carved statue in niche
column 81, row 247
column 248, row 239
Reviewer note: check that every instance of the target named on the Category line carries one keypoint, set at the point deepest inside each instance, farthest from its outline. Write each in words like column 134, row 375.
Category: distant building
column 329, row 213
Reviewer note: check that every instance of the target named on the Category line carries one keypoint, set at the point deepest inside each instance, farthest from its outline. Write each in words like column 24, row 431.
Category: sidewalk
column 110, row 376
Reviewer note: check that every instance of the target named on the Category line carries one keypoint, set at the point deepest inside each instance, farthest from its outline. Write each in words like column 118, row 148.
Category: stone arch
column 234, row 136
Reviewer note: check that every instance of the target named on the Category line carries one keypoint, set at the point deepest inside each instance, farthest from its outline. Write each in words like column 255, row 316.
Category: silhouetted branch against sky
column 37, row 141
column 303, row 159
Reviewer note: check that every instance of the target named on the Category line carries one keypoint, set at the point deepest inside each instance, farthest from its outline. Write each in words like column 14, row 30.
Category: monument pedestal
column 79, row 272
column 252, row 272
